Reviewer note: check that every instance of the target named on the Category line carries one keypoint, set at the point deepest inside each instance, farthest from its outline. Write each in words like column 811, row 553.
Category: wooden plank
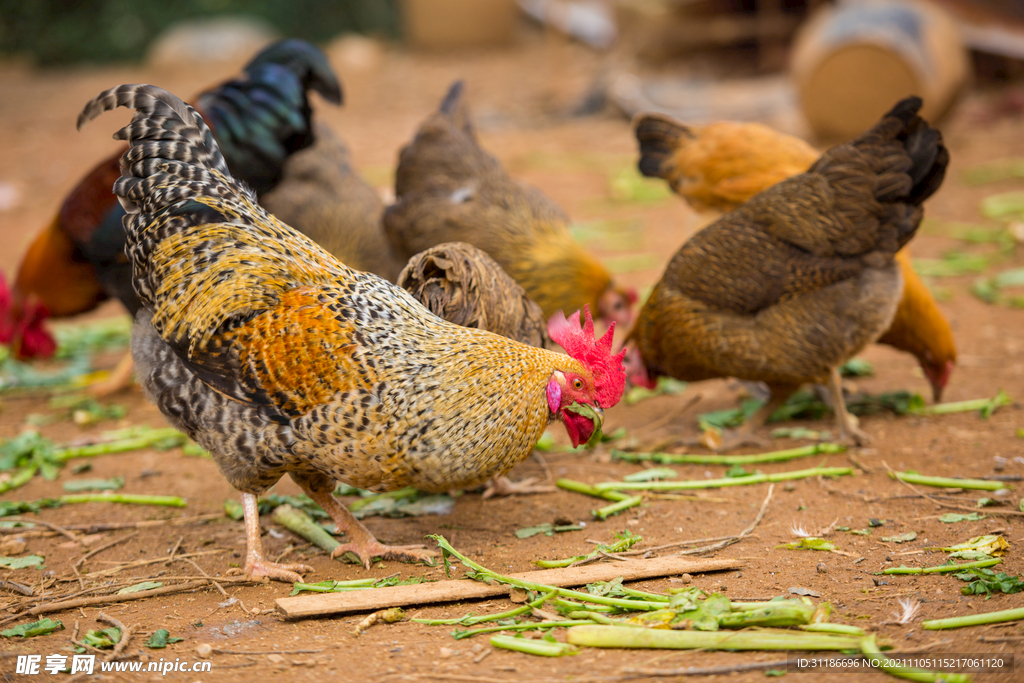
column 318, row 604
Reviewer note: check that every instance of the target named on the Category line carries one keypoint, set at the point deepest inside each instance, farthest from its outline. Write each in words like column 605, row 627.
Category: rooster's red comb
column 579, row 342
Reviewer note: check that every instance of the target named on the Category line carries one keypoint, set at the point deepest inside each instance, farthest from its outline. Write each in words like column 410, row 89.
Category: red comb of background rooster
column 578, row 341
column 23, row 329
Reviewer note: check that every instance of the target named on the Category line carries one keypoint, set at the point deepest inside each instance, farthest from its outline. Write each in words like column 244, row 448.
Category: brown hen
column 801, row 277
column 719, row 166
column 449, row 189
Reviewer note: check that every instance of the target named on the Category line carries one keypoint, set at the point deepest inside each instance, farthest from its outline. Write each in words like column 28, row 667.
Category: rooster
column 449, row 189
column 719, row 166
column 798, row 279
column 278, row 358
column 78, row 261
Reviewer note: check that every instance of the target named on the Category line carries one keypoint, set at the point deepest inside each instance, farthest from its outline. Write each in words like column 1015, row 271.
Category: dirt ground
column 521, row 97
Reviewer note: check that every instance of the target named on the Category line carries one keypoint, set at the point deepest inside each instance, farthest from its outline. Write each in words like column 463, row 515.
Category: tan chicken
column 719, row 166
column 449, row 189
column 797, row 280
column 277, row 358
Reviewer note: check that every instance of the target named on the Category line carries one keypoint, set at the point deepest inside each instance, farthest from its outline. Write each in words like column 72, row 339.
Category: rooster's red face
column 21, row 325
column 564, row 390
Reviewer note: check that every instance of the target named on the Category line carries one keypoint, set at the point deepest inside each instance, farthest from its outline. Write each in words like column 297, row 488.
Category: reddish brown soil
column 519, row 97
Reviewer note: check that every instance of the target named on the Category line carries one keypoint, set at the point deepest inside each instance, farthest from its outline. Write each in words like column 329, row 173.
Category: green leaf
column 103, row 639
column 809, row 544
column 857, row 367
column 902, row 538
column 144, row 586
column 1006, row 205
column 36, row 628
column 78, row 485
column 953, row 518
column 22, row 562
column 666, row 386
column 160, row 639
column 234, row 509
column 737, row 471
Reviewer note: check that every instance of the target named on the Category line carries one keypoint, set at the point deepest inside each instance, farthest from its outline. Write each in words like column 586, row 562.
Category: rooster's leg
column 360, row 541
column 256, row 565
column 120, row 378
column 849, row 430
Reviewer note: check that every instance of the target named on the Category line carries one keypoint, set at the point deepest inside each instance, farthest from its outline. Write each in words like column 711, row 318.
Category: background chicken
column 801, row 277
column 449, row 189
column 259, row 120
column 278, row 358
column 720, row 166
column 463, row 285
column 320, row 194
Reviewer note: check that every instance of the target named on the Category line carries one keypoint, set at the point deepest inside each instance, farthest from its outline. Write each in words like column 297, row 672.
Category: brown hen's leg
column 256, row 565
column 361, row 541
column 849, row 430
column 120, row 378
column 744, row 435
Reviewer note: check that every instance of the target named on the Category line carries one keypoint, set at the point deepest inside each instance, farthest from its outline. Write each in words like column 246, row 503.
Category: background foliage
column 63, row 32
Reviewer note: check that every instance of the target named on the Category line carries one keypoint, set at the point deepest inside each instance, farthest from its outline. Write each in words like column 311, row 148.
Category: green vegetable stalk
column 976, row 619
column 946, row 482
column 299, row 523
column 710, row 459
column 722, row 483
column 760, row 639
column 942, row 568
column 543, row 648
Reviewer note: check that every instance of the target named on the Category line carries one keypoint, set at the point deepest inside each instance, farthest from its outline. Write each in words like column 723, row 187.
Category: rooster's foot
column 368, row 550
column 257, row 568
column 503, row 486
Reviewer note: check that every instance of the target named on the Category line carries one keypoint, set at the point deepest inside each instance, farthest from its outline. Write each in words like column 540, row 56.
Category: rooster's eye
column 577, row 384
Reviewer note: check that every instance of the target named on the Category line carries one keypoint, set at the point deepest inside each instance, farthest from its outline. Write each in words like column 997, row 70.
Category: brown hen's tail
column 659, row 137
column 455, row 108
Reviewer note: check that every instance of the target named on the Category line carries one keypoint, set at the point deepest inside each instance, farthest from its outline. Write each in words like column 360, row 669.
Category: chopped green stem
column 533, row 647
column 832, row 628
column 125, row 498
column 949, row 483
column 299, row 523
column 722, row 483
column 976, row 619
column 146, row 440
column 783, row 614
column 575, row 606
column 527, row 626
column 399, row 494
column 986, row 405
column 593, row 616
column 942, row 568
column 487, row 574
column 754, row 639
column 615, row 508
column 588, row 490
column 19, row 478
column 702, row 459
column 337, row 587
column 875, row 656
column 469, row 619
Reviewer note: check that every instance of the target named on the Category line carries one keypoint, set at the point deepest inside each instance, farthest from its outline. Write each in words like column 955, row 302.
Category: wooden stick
column 301, row 606
column 117, row 597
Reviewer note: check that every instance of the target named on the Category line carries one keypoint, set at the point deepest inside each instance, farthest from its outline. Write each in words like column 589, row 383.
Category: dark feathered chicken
column 259, row 121
column 801, row 277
